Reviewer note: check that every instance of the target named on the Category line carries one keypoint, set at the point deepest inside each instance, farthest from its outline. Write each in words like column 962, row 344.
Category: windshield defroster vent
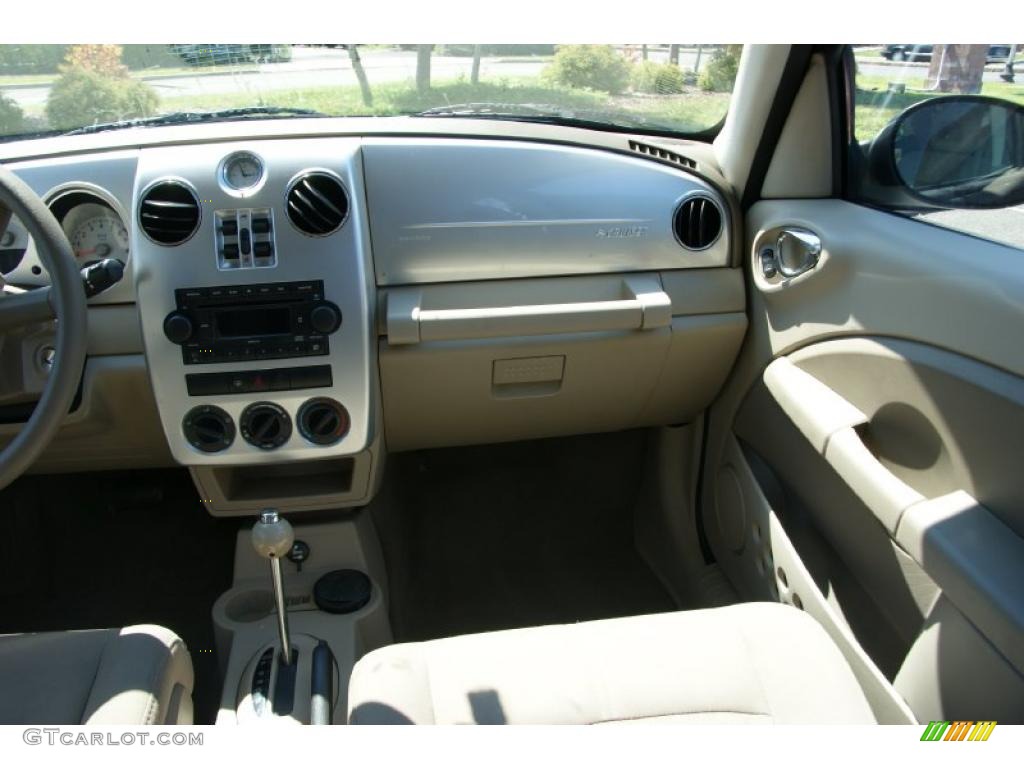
column 697, row 223
column 317, row 203
column 169, row 212
column 662, row 154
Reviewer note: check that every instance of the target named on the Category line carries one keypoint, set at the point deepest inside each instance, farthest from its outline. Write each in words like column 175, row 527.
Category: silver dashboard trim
column 241, row 192
column 341, row 260
column 531, row 223
column 68, row 188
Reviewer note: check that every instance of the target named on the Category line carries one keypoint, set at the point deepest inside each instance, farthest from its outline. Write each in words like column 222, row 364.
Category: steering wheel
column 63, row 299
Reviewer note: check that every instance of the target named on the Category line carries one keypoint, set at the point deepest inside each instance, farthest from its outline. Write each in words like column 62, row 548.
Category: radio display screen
column 261, row 321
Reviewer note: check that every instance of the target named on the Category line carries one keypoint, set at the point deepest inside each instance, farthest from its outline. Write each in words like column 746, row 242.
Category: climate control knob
column 323, row 421
column 208, row 428
column 178, row 327
column 266, row 425
column 325, row 318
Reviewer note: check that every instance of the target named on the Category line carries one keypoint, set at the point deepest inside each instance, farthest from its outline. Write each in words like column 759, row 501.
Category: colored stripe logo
column 958, row 730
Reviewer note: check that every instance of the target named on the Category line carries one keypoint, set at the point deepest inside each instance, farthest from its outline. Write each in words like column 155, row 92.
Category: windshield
column 660, row 88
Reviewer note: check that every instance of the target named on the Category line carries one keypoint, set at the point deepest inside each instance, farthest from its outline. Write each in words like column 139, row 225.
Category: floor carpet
column 515, row 535
column 114, row 549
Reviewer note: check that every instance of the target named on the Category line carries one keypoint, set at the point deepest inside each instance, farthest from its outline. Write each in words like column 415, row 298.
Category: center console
column 288, row 636
column 256, row 295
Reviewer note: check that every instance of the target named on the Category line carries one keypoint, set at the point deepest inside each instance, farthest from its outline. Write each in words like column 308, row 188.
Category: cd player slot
column 252, row 322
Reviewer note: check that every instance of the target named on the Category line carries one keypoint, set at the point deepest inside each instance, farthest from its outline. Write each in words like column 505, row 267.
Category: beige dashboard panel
column 114, row 427
column 610, row 370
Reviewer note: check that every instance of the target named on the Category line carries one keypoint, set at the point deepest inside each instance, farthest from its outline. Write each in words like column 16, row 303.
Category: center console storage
column 344, row 559
column 333, row 483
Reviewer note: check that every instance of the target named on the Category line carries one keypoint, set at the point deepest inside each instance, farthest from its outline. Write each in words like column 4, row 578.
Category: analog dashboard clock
column 242, row 171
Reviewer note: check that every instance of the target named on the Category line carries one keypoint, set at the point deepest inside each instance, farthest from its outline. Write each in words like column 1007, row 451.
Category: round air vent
column 169, row 213
column 317, row 203
column 698, row 222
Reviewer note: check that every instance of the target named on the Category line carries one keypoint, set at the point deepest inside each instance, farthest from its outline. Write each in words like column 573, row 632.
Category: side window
column 938, row 135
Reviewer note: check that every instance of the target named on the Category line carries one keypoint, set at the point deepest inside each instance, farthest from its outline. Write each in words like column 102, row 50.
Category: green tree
column 12, row 119
column 720, row 72
column 95, row 87
column 597, row 67
column 651, row 77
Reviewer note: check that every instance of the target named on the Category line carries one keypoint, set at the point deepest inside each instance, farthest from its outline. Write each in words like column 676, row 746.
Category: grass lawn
column 687, row 112
column 876, row 106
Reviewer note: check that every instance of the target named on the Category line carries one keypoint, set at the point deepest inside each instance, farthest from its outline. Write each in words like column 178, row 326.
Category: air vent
column 169, row 213
column 317, row 204
column 662, row 154
column 698, row 222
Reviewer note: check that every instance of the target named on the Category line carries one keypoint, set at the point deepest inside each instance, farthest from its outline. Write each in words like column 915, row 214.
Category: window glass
column 939, row 135
column 678, row 89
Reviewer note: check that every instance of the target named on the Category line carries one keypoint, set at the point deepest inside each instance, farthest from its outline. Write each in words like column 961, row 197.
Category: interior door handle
column 796, row 251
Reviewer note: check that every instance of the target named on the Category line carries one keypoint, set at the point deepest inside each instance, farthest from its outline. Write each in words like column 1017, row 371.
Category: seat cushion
column 750, row 663
column 139, row 675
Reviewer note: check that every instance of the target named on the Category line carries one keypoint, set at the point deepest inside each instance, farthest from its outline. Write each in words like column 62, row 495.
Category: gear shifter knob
column 272, row 536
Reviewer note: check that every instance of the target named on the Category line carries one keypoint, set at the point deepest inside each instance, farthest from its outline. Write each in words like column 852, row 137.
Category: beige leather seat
column 751, row 663
column 139, row 675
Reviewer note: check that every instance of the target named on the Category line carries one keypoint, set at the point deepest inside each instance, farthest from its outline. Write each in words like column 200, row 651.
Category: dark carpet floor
column 114, row 549
column 515, row 535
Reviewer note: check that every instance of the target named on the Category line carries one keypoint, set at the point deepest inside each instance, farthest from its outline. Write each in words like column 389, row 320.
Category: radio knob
column 178, row 327
column 325, row 318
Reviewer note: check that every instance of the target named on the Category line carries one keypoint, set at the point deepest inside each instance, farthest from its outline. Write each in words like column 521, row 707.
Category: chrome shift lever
column 272, row 537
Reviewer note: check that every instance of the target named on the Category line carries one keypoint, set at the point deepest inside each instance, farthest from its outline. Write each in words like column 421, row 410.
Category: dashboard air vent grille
column 169, row 213
column 317, row 204
column 698, row 222
column 662, row 154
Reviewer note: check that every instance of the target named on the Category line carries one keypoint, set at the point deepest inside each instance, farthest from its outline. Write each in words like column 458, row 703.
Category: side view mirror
column 954, row 152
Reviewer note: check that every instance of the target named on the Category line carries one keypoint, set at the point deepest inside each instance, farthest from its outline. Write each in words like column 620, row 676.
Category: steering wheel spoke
column 21, row 308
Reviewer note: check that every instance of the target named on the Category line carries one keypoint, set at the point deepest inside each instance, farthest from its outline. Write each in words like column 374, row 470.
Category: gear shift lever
column 272, row 537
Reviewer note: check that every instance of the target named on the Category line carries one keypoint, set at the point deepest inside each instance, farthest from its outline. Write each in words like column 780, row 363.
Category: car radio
column 252, row 322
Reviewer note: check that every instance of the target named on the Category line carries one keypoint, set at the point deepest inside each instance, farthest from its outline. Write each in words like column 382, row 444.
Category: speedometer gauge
column 96, row 233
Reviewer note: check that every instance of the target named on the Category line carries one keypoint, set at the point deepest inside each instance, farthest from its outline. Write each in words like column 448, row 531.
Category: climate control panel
column 321, row 421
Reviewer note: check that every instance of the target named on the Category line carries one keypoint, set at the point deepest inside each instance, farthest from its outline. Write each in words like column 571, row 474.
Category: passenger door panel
column 879, row 406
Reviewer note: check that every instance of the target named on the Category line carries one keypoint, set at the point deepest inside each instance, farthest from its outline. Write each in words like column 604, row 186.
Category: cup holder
column 249, row 606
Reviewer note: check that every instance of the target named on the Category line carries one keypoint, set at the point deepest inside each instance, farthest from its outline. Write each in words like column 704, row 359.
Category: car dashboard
column 296, row 306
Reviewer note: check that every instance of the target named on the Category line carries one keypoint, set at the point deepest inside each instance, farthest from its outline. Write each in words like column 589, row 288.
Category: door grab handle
column 975, row 558
column 829, row 422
